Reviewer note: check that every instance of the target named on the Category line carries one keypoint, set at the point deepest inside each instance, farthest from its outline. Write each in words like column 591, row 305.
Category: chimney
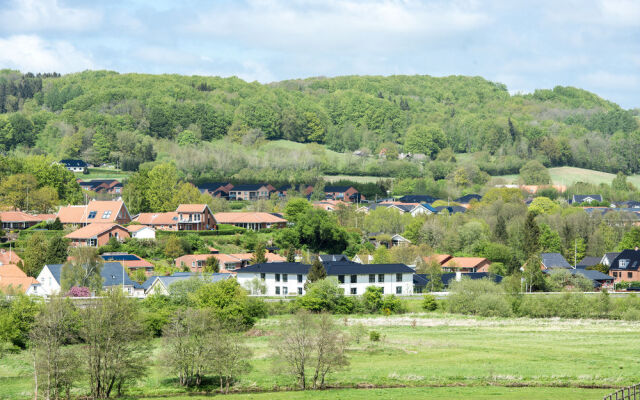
column 458, row 276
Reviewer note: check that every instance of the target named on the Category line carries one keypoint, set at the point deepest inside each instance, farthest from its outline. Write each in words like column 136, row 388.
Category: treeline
column 87, row 115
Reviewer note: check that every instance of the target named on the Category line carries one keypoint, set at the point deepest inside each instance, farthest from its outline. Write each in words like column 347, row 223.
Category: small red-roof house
column 22, row 220
column 13, row 279
column 195, row 217
column 439, row 258
column 104, row 212
column 466, row 264
column 96, row 234
column 167, row 221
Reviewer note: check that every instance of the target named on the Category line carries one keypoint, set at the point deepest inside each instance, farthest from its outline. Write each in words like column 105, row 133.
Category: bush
column 429, row 303
column 374, row 336
column 478, row 297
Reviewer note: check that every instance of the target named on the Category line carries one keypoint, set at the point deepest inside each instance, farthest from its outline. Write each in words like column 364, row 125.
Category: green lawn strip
column 440, row 393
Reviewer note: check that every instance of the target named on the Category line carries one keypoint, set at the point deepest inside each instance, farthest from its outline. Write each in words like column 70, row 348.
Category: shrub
column 374, row 336
column 429, row 303
column 478, row 297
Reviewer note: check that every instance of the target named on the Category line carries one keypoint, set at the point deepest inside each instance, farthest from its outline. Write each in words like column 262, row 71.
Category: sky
column 590, row 44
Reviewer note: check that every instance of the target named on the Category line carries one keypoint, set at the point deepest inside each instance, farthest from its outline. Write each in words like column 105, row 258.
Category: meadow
column 570, row 175
column 425, row 356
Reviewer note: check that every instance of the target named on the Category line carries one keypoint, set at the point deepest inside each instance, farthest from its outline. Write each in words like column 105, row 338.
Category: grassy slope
column 439, row 351
column 569, row 175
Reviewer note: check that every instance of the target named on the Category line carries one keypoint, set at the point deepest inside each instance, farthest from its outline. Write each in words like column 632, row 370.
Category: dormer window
column 92, row 214
column 623, row 263
column 107, row 214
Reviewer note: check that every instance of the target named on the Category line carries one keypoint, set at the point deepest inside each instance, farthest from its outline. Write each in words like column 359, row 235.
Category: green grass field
column 354, row 178
column 103, row 173
column 475, row 358
column 569, row 175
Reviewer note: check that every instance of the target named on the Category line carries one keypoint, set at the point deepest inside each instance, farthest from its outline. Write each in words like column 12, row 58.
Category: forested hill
column 104, row 116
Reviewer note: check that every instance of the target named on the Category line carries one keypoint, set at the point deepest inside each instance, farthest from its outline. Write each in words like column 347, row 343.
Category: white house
column 74, row 165
column 141, row 232
column 282, row 279
column 113, row 275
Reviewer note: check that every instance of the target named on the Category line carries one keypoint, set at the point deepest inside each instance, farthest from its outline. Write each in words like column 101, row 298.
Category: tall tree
column 35, row 254
column 212, row 265
column 500, row 230
column 83, row 270
column 57, row 250
column 531, row 234
column 259, row 254
column 316, row 272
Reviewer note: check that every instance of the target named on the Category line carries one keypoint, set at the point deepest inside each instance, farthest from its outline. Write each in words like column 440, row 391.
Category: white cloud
column 29, row 53
column 621, row 12
column 42, row 15
column 331, row 24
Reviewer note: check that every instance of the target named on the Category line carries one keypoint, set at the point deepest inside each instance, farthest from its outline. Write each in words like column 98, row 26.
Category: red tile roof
column 247, row 218
column 168, row 218
column 12, row 277
column 79, row 214
column 191, row 208
column 464, row 262
column 91, row 231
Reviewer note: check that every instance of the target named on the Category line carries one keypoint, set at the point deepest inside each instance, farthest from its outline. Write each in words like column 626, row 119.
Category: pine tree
column 291, row 254
column 57, row 250
column 500, row 231
column 259, row 255
column 212, row 265
column 531, row 235
column 316, row 272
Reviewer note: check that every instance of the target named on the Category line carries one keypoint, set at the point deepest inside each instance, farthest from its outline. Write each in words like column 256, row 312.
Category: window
column 629, row 274
column 299, row 290
column 354, row 278
column 277, row 289
column 263, row 276
column 372, row 278
column 277, row 277
column 623, row 263
column 285, row 277
column 106, row 214
column 354, row 290
column 398, row 289
column 92, row 214
column 380, row 277
column 341, row 278
column 299, row 278
column 398, row 277
column 285, row 290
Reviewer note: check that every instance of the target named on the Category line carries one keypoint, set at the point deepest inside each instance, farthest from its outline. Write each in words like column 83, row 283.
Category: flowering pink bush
column 79, row 291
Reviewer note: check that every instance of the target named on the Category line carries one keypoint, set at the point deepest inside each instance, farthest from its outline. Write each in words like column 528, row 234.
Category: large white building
column 282, row 278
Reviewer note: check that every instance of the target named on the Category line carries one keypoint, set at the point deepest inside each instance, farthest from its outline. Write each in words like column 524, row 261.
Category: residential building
column 251, row 220
column 216, row 189
column 282, row 279
column 195, row 217
column 599, row 279
column 421, row 281
column 9, row 257
column 467, row 199
column 438, row 258
column 585, row 198
column 345, row 193
column 329, row 205
column 18, row 220
column 97, row 211
column 466, row 264
column 111, row 186
column 130, row 261
column 14, row 280
column 553, row 261
column 74, row 165
column 113, row 275
column 162, row 284
column 141, row 232
column 227, row 262
column 588, row 262
column 450, row 209
column 303, row 190
column 96, row 235
column 167, row 221
column 608, row 258
column 251, row 191
column 625, row 266
column 417, row 198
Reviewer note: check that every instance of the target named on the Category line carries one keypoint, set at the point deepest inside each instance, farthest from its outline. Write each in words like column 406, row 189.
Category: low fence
column 626, row 393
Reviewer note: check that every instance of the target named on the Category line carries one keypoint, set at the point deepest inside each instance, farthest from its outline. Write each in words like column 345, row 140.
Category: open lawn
column 569, row 175
column 484, row 356
column 103, row 173
column 354, row 178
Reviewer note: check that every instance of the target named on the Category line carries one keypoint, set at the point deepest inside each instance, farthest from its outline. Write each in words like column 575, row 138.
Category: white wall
column 362, row 282
column 48, row 284
column 146, row 233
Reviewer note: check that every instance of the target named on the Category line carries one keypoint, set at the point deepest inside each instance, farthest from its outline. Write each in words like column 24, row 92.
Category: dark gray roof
column 466, row 199
column 423, row 279
column 451, row 209
column 554, row 260
column 417, row 198
column 633, row 257
column 332, row 268
column 211, row 186
column 332, row 257
column 580, row 198
column 588, row 262
column 73, row 163
column 610, row 256
column 112, row 273
column 249, row 187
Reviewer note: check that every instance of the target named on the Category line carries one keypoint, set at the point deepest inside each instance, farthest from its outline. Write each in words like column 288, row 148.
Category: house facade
column 345, row 193
column 251, row 220
column 250, row 192
column 625, row 266
column 283, row 278
column 466, row 265
column 167, row 221
column 18, row 220
column 141, row 232
column 96, row 235
column 195, row 217
column 96, row 211
column 74, row 165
